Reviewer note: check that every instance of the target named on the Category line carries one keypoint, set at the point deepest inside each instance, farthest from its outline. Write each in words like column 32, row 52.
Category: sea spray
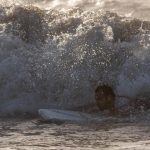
column 56, row 60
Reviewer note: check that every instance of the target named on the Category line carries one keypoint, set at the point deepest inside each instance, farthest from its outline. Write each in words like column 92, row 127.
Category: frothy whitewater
column 53, row 54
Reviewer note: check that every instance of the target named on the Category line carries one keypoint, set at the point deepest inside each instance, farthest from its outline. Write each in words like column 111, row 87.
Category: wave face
column 55, row 58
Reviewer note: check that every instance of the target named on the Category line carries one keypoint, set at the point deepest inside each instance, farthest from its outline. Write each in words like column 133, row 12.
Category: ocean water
column 53, row 54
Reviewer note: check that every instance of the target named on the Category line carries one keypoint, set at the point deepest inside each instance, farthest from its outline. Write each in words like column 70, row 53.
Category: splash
column 52, row 58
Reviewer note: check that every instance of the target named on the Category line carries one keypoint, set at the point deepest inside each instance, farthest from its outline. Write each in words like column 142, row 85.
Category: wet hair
column 105, row 98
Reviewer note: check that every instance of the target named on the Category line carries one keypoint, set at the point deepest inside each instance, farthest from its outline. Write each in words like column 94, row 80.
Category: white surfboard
column 63, row 115
column 57, row 115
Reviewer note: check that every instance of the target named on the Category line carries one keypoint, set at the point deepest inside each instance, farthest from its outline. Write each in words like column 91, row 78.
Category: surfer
column 105, row 98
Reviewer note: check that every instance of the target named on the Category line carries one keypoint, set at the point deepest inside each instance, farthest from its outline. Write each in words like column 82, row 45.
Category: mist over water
column 53, row 55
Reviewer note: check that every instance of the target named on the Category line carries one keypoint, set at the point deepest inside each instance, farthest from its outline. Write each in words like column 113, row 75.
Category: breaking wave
column 56, row 58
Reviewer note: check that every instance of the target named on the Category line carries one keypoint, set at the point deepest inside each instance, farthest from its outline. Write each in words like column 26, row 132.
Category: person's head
column 105, row 98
